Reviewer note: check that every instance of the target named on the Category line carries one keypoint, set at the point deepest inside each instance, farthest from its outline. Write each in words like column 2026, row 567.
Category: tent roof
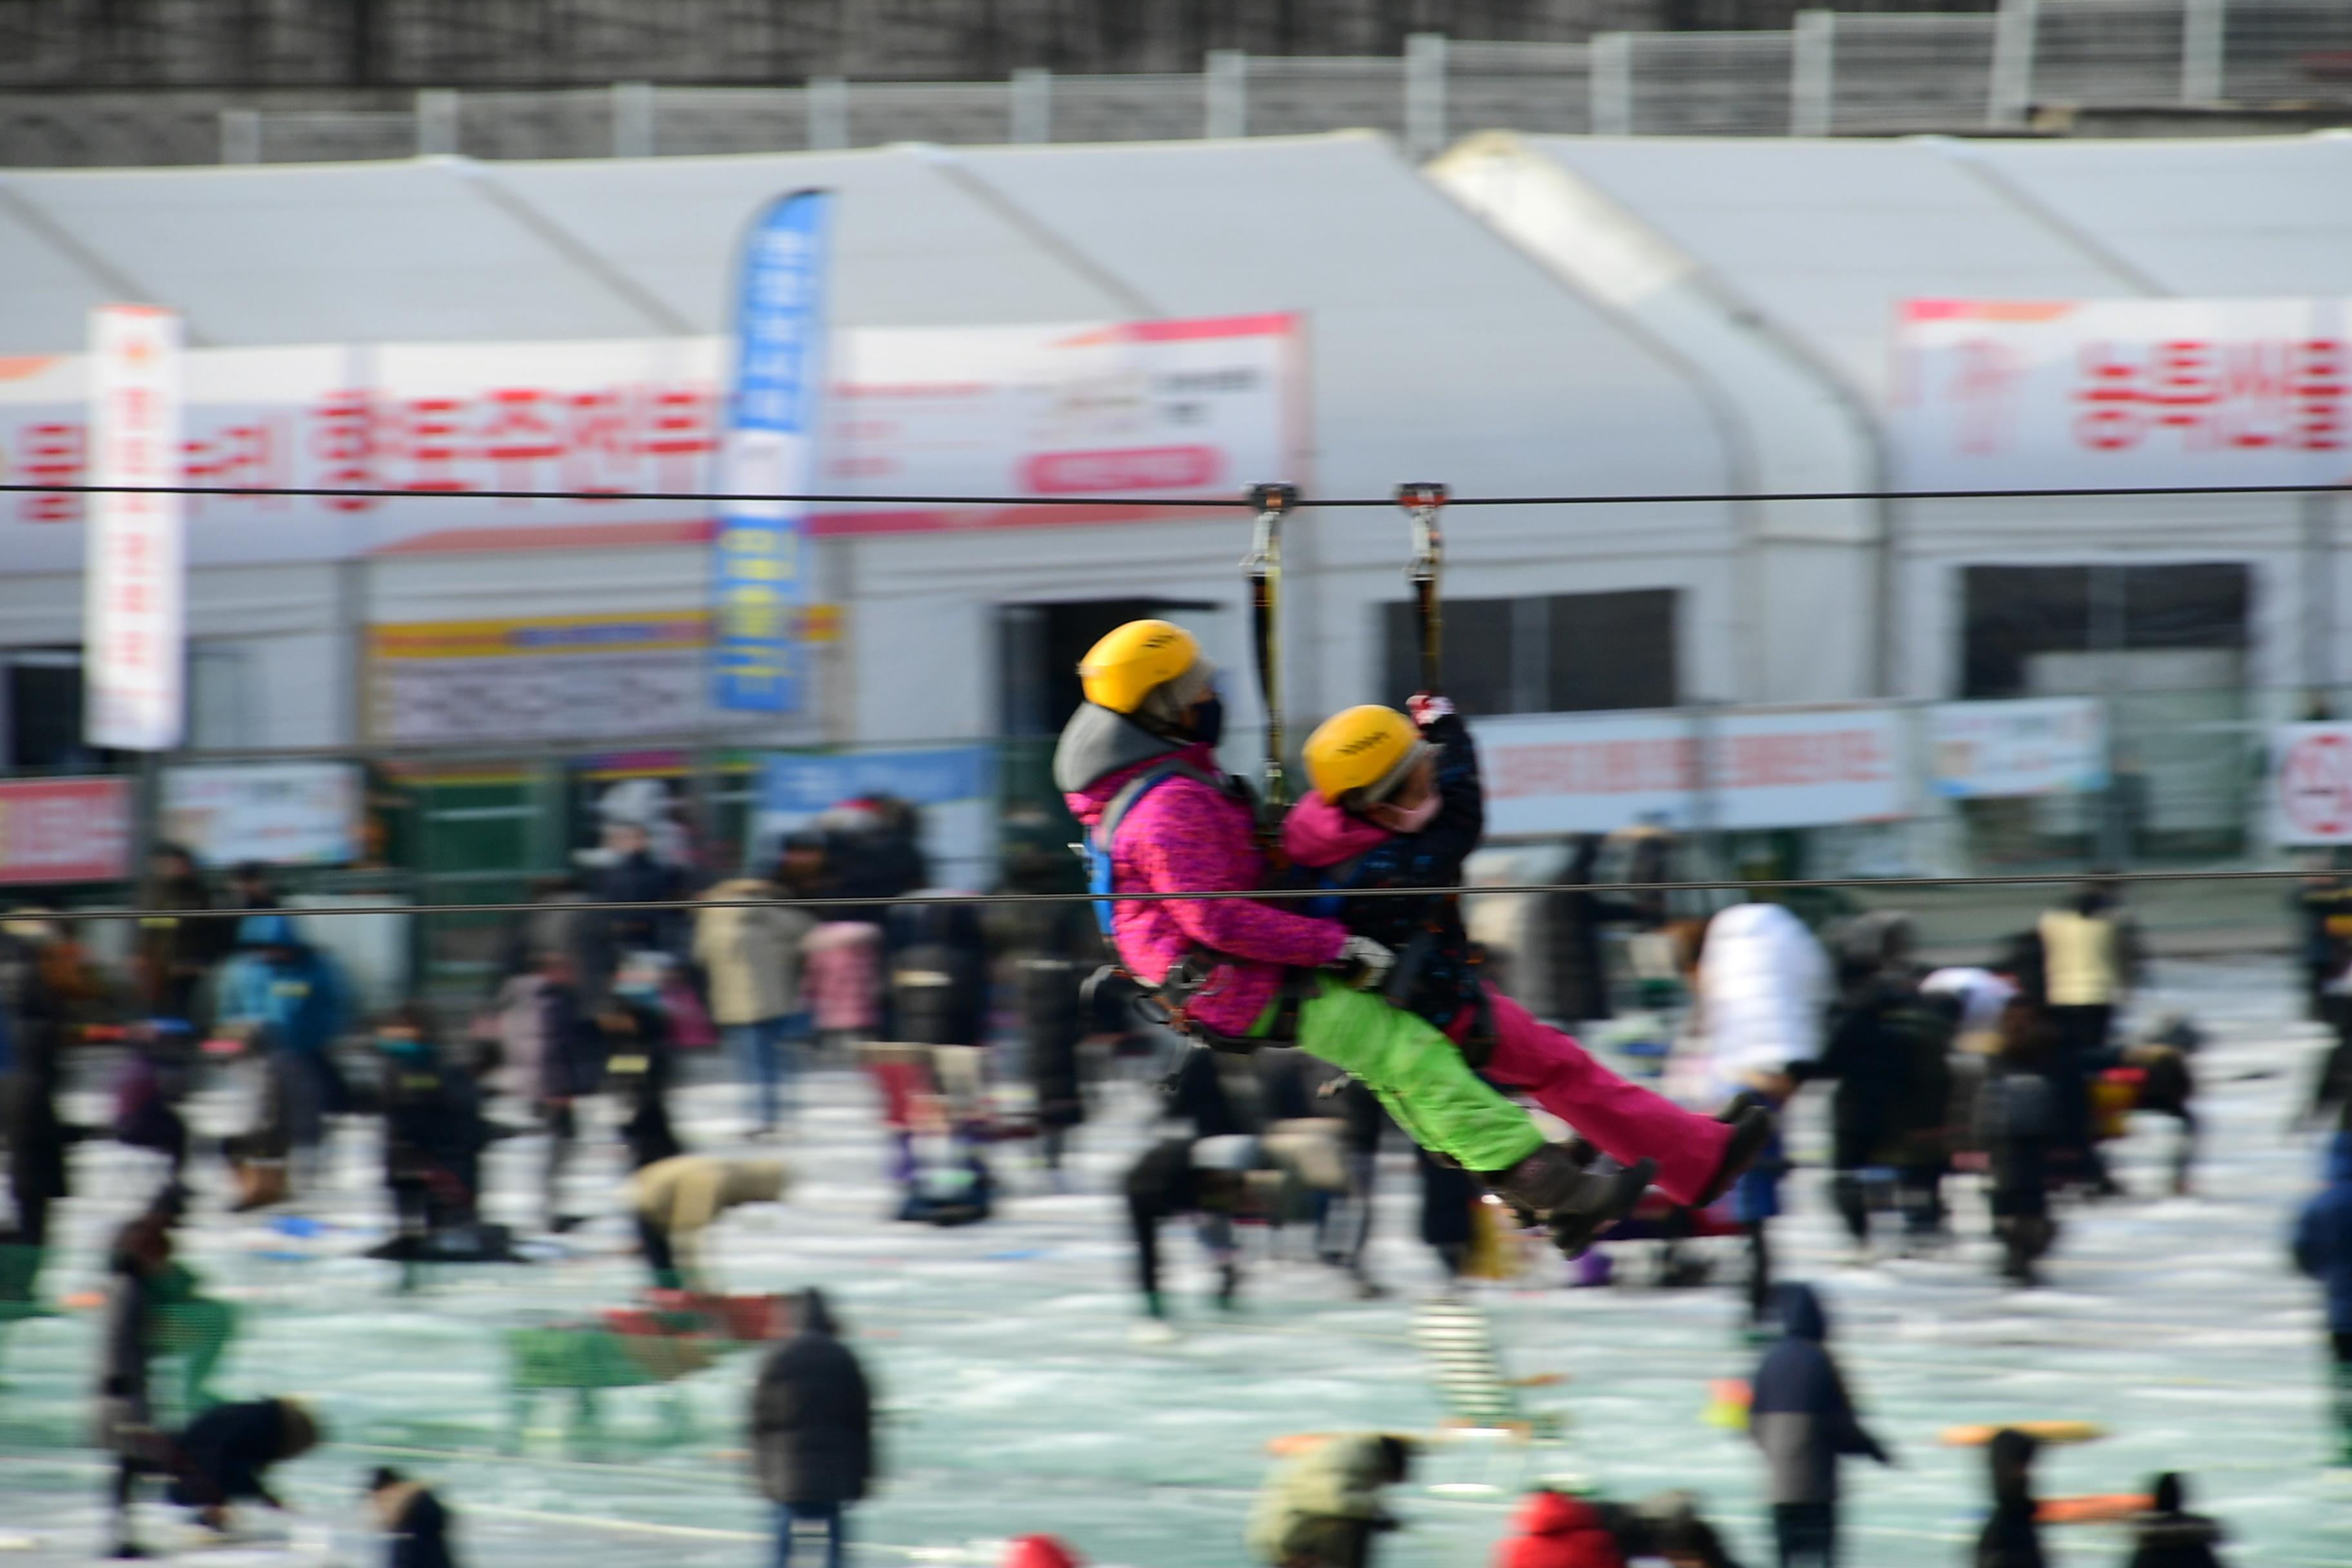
column 1436, row 346
column 1826, row 237
column 2223, row 219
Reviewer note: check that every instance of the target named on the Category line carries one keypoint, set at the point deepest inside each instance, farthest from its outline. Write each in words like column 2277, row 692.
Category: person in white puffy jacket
column 1763, row 984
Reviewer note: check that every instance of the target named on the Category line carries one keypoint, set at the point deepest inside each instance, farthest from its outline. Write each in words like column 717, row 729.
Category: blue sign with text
column 767, row 451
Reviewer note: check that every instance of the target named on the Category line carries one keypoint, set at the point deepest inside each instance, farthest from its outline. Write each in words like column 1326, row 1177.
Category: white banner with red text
column 1132, row 412
column 2079, row 393
column 1596, row 772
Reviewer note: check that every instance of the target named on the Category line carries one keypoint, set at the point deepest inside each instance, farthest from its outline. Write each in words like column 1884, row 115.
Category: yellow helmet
column 1128, row 665
column 1363, row 753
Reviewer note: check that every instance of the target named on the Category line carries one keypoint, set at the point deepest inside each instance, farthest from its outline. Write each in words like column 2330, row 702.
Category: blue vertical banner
column 769, row 450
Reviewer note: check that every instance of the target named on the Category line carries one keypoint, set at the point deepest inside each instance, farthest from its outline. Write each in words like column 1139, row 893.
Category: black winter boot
column 1574, row 1204
column 1752, row 1125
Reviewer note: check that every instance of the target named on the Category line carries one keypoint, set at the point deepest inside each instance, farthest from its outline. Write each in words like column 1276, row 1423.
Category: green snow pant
column 1418, row 1074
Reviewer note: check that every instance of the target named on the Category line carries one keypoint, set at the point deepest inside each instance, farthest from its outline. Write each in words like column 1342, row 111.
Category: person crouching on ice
column 1398, row 803
column 1137, row 764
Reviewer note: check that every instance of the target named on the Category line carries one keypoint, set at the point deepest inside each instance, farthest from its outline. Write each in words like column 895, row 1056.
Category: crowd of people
column 1300, row 1033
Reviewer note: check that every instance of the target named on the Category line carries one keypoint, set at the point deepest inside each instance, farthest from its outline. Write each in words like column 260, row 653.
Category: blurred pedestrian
column 2086, row 964
column 434, row 1135
column 1448, row 1206
column 1321, row 1509
column 125, row 1420
column 2016, row 1123
column 640, row 1060
column 751, row 955
column 939, row 973
column 33, row 1019
column 225, row 1456
column 175, row 952
column 1887, row 1050
column 291, row 1001
column 250, row 887
column 2168, row 1535
column 633, row 874
column 2323, row 1249
column 1802, row 1416
column 568, row 1066
column 1053, row 948
column 149, row 1089
column 1759, row 983
column 677, row 1199
column 1557, row 1531
column 1676, row 1531
column 414, row 1522
column 2012, row 1537
column 812, row 1432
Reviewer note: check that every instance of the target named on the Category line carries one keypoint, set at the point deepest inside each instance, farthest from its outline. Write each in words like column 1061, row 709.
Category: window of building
column 1559, row 653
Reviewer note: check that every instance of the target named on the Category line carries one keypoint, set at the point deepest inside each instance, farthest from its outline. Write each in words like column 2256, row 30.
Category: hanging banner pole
column 1422, row 503
column 134, row 613
column 1264, row 567
column 768, row 450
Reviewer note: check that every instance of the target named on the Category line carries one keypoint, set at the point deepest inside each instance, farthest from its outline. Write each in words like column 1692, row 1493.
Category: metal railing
column 1834, row 73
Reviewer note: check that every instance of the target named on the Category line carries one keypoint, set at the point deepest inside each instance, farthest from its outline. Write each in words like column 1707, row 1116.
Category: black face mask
column 1209, row 721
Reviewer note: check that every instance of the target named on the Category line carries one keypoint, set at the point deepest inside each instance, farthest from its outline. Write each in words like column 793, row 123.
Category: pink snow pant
column 1623, row 1121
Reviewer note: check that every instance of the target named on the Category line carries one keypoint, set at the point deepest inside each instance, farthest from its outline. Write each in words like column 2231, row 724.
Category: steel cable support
column 1734, row 884
column 1235, row 503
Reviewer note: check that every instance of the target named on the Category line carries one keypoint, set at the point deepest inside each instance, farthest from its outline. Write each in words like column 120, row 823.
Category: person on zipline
column 1137, row 764
column 1398, row 802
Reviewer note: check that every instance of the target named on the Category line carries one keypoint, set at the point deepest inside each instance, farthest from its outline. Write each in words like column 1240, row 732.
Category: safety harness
column 1404, row 976
column 1166, row 1003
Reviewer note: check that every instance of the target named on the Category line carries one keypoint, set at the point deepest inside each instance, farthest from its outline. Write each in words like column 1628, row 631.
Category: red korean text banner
column 1190, row 409
column 64, row 830
column 2022, row 395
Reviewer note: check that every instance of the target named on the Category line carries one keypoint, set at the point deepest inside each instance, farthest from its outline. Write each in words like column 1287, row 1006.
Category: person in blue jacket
column 1803, row 1419
column 2323, row 1249
column 290, row 1000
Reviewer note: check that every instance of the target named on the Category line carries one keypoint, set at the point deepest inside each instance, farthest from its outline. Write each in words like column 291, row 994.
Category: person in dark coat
column 34, row 1023
column 125, row 1424
column 149, row 1090
column 2011, row 1538
column 640, row 1064
column 2168, row 1536
column 2323, row 1249
column 938, row 974
column 1803, row 1419
column 226, row 1454
column 434, row 1135
column 570, row 1068
column 634, row 875
column 2018, row 1122
column 414, row 1523
column 813, row 1431
column 1052, row 947
column 1884, row 1036
column 174, row 954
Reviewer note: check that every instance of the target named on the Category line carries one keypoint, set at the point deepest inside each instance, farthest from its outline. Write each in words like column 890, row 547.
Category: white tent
column 1437, row 350
column 1779, row 266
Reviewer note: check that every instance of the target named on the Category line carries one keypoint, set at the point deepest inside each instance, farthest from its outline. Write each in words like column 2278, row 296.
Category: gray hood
column 1098, row 742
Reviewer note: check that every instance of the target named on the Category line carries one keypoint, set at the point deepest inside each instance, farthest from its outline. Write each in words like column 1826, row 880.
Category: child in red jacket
column 1556, row 1530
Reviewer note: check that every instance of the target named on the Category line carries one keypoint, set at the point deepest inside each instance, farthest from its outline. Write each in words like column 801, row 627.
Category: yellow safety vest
column 2078, row 956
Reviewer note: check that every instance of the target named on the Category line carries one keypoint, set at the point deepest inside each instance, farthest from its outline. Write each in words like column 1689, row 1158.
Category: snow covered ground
column 1018, row 1401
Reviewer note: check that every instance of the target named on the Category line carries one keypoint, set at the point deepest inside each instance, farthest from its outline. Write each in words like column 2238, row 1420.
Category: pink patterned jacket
column 1185, row 836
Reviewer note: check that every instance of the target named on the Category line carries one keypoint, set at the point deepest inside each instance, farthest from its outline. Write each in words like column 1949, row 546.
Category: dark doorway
column 1038, row 649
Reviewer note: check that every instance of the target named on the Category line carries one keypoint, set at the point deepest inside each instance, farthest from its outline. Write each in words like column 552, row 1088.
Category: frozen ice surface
column 1019, row 1402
